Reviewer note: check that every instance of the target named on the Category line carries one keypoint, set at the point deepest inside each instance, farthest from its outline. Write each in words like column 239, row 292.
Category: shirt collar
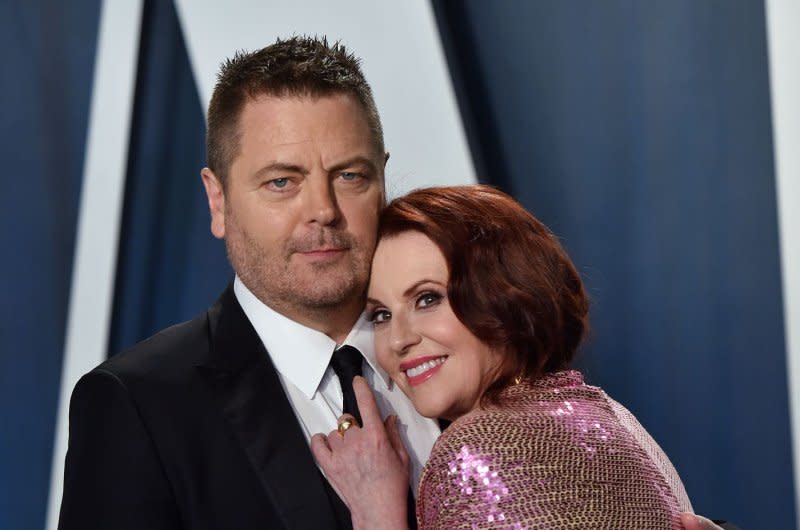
column 299, row 353
column 362, row 337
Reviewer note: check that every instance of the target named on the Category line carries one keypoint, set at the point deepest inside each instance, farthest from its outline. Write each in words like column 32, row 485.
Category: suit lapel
column 247, row 387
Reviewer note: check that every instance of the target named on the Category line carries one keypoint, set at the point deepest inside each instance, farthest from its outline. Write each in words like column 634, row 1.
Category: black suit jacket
column 192, row 429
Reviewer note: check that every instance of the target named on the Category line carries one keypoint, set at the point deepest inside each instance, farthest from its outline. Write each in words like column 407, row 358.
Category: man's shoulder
column 170, row 351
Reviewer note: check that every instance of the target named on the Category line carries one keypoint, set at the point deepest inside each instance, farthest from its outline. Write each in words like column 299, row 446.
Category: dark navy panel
column 47, row 51
column 640, row 133
column 170, row 267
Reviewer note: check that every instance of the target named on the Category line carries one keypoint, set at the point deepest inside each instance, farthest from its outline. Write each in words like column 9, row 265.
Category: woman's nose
column 402, row 335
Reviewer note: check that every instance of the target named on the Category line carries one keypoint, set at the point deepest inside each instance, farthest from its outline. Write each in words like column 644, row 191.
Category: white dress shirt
column 302, row 355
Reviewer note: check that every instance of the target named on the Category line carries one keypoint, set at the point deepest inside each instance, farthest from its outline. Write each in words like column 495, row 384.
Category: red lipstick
column 421, row 373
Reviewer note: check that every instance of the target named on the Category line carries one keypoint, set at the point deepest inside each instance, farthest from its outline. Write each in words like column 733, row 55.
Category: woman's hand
column 367, row 466
column 696, row 522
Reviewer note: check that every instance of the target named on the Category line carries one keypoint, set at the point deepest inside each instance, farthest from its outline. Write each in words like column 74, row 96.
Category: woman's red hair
column 510, row 281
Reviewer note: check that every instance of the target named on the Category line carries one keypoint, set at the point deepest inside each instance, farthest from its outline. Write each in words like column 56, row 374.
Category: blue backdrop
column 47, row 52
column 640, row 133
column 170, row 266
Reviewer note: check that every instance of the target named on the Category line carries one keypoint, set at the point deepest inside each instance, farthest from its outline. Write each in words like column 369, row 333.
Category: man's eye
column 279, row 183
column 349, row 175
column 428, row 299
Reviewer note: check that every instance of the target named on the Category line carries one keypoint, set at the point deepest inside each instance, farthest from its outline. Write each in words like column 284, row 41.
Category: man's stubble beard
column 273, row 280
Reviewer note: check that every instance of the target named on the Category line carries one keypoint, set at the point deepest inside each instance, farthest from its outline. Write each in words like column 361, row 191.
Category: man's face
column 300, row 208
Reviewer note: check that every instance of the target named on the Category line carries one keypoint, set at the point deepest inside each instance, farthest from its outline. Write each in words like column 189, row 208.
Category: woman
column 478, row 311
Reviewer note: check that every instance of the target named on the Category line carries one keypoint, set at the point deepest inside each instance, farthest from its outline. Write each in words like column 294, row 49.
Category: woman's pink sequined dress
column 558, row 454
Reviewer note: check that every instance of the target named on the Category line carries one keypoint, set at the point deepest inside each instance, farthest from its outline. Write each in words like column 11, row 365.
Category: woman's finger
column 335, row 440
column 370, row 415
column 393, row 430
column 321, row 450
column 696, row 522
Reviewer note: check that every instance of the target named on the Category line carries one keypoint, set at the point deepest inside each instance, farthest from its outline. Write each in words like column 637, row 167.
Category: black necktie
column 346, row 362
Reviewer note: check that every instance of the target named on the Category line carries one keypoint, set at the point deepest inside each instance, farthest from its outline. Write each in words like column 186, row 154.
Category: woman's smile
column 421, row 369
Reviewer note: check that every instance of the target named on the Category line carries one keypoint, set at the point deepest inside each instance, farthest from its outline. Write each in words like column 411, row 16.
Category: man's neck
column 334, row 321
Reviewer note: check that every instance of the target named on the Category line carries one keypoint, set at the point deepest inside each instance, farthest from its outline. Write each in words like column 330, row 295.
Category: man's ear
column 216, row 201
column 385, row 161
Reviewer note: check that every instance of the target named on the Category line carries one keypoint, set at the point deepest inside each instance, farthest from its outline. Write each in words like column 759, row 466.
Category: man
column 206, row 424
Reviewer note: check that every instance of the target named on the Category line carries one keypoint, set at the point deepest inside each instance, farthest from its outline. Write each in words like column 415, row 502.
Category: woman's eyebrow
column 373, row 301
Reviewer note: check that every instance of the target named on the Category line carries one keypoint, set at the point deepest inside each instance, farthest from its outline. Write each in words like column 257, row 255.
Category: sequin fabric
column 557, row 454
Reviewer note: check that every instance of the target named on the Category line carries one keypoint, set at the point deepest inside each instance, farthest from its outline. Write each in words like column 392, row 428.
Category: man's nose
column 322, row 207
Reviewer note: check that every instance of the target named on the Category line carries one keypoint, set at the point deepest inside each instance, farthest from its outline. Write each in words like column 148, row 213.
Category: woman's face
column 440, row 365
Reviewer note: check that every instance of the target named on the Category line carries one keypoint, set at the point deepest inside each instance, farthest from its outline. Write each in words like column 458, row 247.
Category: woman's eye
column 380, row 316
column 428, row 299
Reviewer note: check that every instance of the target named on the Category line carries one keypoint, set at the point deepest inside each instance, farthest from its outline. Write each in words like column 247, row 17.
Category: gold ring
column 344, row 422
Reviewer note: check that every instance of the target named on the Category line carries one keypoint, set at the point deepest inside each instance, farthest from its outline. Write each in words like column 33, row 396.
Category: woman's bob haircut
column 510, row 281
